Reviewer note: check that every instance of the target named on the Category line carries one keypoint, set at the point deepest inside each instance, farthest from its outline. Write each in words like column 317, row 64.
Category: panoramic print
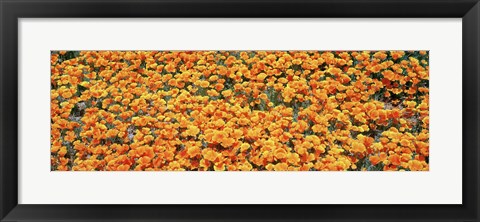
column 239, row 111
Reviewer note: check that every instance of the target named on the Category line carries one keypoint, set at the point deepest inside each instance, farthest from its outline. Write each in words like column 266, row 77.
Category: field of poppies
column 239, row 110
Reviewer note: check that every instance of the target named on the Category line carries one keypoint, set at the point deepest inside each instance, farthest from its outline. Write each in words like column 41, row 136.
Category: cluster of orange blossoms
column 240, row 110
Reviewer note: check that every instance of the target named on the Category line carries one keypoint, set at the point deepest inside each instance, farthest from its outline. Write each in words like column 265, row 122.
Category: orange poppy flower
column 374, row 160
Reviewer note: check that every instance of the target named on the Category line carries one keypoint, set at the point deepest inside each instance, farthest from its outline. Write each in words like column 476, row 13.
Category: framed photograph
column 312, row 110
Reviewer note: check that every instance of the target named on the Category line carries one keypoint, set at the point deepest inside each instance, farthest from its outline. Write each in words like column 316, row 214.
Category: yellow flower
column 192, row 130
column 244, row 147
column 261, row 76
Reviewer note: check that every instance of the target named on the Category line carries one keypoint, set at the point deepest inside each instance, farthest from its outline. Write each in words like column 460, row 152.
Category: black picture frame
column 11, row 11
